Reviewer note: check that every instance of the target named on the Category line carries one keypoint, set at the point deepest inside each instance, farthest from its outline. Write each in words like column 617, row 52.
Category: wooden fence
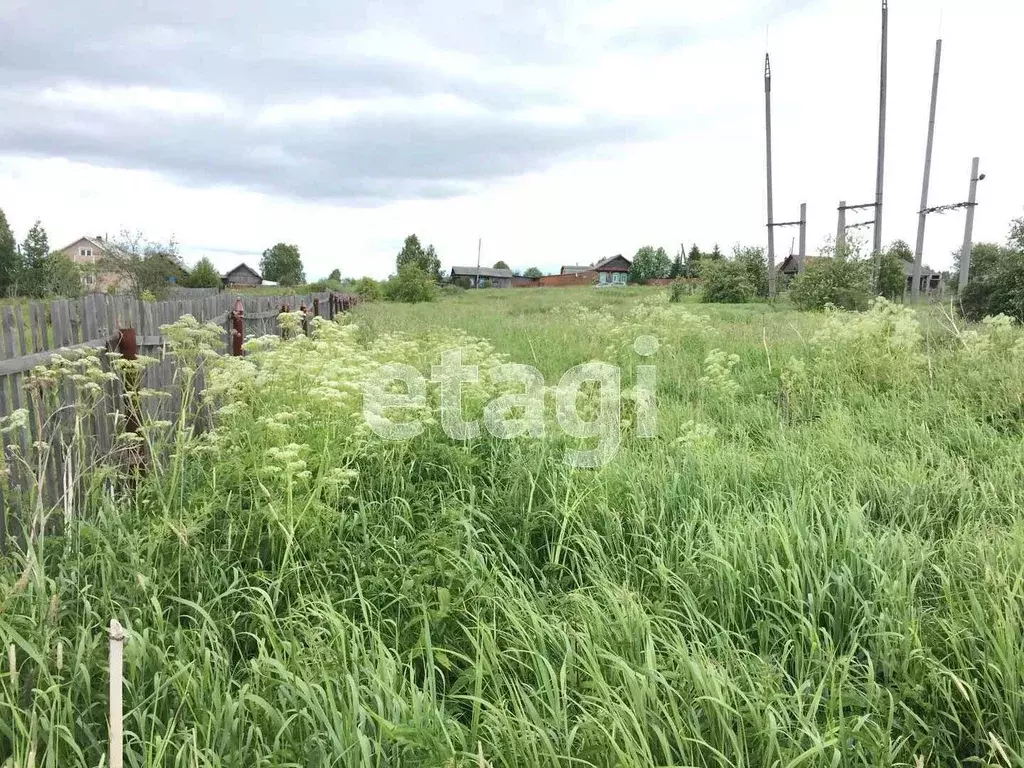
column 35, row 462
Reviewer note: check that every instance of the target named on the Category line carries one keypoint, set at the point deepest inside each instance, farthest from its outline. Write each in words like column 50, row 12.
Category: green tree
column 997, row 282
column 725, row 282
column 752, row 260
column 141, row 265
column 425, row 259
column 650, row 263
column 10, row 259
column 678, row 267
column 500, row 265
column 533, row 272
column 839, row 281
column 692, row 266
column 1016, row 238
column 892, row 276
column 411, row 285
column 283, row 264
column 368, row 289
column 335, row 275
column 716, row 253
column 63, row 276
column 203, row 275
column 35, row 253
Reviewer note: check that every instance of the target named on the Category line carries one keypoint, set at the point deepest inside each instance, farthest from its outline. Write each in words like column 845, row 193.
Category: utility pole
column 768, row 141
column 802, row 258
column 915, row 286
column 479, row 245
column 841, row 230
column 880, row 172
column 972, row 202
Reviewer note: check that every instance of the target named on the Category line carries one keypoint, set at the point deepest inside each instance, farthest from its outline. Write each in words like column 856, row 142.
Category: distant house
column 575, row 270
column 790, row 265
column 613, row 271
column 482, row 277
column 243, row 276
column 931, row 281
column 87, row 253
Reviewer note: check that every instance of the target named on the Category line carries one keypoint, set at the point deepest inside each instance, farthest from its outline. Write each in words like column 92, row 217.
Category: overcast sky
column 559, row 131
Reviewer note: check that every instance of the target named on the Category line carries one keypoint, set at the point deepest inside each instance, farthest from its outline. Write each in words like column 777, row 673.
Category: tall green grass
column 818, row 562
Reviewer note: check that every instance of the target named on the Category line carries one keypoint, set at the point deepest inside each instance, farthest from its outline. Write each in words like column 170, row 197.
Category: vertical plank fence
column 36, row 462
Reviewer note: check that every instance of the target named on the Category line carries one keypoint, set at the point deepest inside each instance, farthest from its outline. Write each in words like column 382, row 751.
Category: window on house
column 88, row 251
column 90, row 279
column 81, row 251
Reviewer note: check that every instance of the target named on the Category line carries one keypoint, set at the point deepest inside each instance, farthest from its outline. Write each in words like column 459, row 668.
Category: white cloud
column 701, row 180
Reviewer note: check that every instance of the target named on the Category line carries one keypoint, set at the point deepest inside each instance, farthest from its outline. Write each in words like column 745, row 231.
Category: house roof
column 573, row 270
column 606, row 262
column 244, row 266
column 481, row 271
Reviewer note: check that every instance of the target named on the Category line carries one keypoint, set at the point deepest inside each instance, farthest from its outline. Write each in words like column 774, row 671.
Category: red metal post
column 238, row 327
column 128, row 347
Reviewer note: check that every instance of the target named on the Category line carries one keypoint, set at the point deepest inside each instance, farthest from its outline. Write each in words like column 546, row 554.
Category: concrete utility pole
column 972, row 202
column 841, row 229
column 768, row 141
column 479, row 245
column 915, row 286
column 802, row 258
column 880, row 172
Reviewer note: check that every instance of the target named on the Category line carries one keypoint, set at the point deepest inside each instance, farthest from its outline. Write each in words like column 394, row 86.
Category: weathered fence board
column 30, row 336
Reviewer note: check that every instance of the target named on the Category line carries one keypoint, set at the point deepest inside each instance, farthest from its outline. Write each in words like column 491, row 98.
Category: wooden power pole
column 915, row 286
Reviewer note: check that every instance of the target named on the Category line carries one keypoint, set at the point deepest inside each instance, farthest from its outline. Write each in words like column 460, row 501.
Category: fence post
column 305, row 319
column 117, row 638
column 237, row 327
column 316, row 306
column 127, row 346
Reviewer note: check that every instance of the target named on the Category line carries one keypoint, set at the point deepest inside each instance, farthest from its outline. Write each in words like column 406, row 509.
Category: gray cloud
column 265, row 53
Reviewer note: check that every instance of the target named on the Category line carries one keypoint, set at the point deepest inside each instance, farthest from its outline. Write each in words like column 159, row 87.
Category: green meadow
column 818, row 560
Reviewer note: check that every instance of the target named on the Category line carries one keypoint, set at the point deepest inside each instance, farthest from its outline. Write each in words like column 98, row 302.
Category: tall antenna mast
column 880, row 174
column 768, row 142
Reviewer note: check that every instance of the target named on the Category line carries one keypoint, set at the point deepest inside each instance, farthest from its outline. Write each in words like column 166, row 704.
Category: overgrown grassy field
column 818, row 560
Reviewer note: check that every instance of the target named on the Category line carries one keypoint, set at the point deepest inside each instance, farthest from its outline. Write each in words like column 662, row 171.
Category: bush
column 997, row 283
column 836, row 281
column 203, row 275
column 755, row 265
column 327, row 284
column 725, row 282
column 368, row 289
column 680, row 288
column 411, row 285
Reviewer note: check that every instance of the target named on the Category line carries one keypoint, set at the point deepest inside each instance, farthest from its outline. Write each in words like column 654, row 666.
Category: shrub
column 368, row 289
column 680, row 288
column 725, row 282
column 411, row 285
column 755, row 266
column 327, row 284
column 997, row 283
column 835, row 281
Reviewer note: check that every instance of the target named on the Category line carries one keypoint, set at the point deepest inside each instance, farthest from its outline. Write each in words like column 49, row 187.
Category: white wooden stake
column 117, row 637
column 12, row 666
